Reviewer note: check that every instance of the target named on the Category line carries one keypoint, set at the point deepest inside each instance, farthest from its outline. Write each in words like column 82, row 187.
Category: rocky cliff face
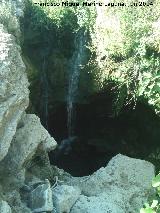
column 21, row 135
column 14, row 91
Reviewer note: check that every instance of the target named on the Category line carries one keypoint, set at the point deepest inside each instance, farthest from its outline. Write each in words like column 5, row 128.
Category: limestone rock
column 12, row 182
column 128, row 171
column 121, row 171
column 17, row 205
column 64, row 197
column 41, row 198
column 13, row 89
column 4, row 207
column 29, row 135
column 14, row 200
column 21, row 209
column 126, row 178
column 48, row 144
column 100, row 204
column 9, row 14
column 20, row 134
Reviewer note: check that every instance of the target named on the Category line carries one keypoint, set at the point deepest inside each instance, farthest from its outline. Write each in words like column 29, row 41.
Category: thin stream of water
column 76, row 63
column 45, row 94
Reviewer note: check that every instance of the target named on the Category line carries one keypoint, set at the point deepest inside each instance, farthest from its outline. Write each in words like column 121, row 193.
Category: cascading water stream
column 76, row 63
column 44, row 82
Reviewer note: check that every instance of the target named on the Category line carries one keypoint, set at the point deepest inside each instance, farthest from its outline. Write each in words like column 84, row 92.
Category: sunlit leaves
column 156, row 181
column 154, row 206
column 147, row 210
column 129, row 37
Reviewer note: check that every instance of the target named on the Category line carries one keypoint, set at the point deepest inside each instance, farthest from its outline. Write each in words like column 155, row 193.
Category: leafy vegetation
column 62, row 16
column 128, row 39
column 154, row 205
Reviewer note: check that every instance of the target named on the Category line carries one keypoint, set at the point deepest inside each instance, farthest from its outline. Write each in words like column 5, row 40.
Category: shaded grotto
column 86, row 114
column 134, row 133
column 50, row 55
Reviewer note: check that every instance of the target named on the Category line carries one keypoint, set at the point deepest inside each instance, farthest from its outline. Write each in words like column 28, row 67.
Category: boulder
column 125, row 178
column 29, row 135
column 4, row 207
column 121, row 171
column 41, row 198
column 64, row 197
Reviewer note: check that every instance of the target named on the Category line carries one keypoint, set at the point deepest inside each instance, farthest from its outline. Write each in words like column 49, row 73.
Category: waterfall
column 44, row 82
column 76, row 63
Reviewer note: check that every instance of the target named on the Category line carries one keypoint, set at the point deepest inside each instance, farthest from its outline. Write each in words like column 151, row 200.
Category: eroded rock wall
column 21, row 134
column 14, row 93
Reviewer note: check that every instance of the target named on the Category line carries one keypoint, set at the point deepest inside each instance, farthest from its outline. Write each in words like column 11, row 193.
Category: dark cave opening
column 100, row 136
column 47, row 52
column 81, row 161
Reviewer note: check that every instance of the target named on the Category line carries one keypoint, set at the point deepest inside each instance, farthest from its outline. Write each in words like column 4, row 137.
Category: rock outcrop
column 41, row 198
column 14, row 93
column 64, row 197
column 29, row 136
column 101, row 204
column 21, row 135
column 122, row 186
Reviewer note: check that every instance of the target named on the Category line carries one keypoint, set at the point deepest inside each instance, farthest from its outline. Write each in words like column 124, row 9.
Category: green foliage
column 154, row 206
column 49, row 15
column 156, row 181
column 130, row 39
column 62, row 16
